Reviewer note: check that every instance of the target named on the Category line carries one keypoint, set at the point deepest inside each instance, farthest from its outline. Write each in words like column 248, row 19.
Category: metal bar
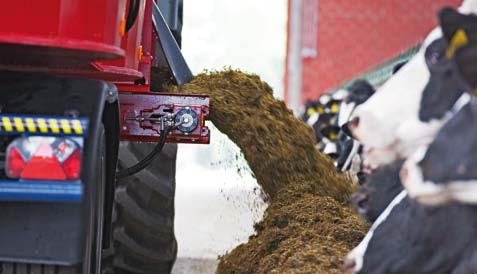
column 175, row 60
column 294, row 81
column 46, row 191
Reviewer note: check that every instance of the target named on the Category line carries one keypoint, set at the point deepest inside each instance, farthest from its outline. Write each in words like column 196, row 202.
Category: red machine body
column 88, row 38
column 45, row 32
column 76, row 37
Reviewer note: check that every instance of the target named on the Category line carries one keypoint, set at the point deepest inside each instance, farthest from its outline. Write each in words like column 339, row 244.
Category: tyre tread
column 140, row 218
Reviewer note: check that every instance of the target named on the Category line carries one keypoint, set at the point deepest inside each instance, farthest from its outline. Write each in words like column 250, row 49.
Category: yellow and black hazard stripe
column 42, row 125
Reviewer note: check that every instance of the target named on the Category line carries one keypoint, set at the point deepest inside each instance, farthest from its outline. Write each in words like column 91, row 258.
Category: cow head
column 409, row 237
column 322, row 121
column 378, row 191
column 359, row 91
column 376, row 123
column 408, row 110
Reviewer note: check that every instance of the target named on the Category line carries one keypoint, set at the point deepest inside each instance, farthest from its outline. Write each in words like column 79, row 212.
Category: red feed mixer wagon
column 76, row 80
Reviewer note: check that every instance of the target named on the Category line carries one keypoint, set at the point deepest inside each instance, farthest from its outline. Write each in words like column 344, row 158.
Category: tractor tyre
column 143, row 217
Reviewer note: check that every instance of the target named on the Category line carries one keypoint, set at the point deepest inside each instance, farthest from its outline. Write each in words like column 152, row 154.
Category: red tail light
column 15, row 163
column 43, row 158
column 72, row 165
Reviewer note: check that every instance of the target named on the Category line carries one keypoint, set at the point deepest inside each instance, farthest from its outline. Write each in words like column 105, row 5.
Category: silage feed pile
column 308, row 226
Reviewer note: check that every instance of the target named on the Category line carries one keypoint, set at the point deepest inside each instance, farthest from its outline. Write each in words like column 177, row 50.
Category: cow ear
column 458, row 28
column 460, row 31
column 455, row 28
column 450, row 21
column 458, row 40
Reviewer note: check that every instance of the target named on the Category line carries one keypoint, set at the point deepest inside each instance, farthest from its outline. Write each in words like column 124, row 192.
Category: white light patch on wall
column 310, row 28
column 246, row 34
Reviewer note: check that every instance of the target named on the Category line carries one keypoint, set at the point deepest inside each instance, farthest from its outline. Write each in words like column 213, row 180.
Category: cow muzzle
column 349, row 266
column 352, row 125
column 360, row 201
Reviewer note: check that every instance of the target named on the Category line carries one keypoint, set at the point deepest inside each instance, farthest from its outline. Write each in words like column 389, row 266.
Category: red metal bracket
column 139, row 113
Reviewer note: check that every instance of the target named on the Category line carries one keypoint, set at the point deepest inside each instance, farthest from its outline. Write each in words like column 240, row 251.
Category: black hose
column 133, row 12
column 148, row 159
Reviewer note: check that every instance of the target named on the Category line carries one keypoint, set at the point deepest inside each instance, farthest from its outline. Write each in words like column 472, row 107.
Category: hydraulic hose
column 148, row 159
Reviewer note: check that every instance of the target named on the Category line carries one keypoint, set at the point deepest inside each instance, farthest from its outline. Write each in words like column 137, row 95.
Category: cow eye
column 435, row 52
column 434, row 57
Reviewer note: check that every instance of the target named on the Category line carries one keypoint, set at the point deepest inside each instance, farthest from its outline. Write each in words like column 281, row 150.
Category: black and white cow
column 310, row 109
column 321, row 114
column 327, row 128
column 409, row 109
column 378, row 191
column 313, row 109
column 447, row 169
column 321, row 122
column 358, row 92
column 412, row 238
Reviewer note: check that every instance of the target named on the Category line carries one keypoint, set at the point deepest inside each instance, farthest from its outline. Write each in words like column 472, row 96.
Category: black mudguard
column 53, row 232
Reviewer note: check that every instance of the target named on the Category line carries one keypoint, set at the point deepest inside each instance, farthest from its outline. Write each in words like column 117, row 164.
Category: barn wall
column 344, row 38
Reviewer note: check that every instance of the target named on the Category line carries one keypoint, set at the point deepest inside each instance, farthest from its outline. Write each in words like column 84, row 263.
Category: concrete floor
column 194, row 266
column 217, row 203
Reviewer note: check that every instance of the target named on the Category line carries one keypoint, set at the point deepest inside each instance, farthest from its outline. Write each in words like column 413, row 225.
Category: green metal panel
column 378, row 75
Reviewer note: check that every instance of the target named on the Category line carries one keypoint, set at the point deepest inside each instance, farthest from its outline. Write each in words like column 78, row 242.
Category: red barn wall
column 354, row 36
